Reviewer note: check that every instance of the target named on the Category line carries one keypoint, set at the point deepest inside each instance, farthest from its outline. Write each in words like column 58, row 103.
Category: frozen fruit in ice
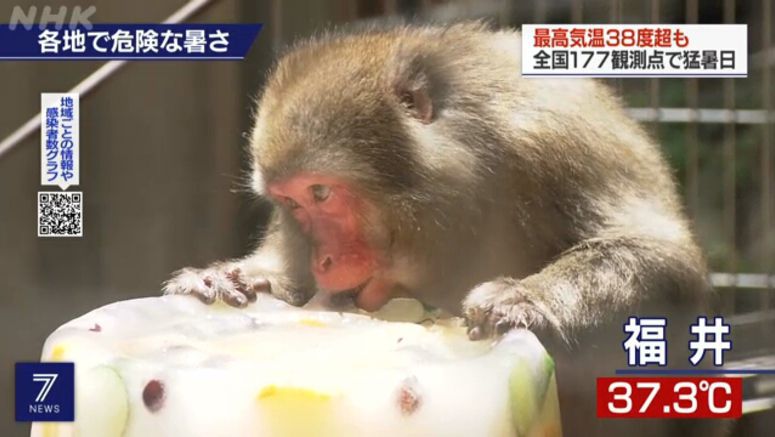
column 283, row 406
column 101, row 403
column 527, row 389
column 402, row 309
column 153, row 395
column 409, row 396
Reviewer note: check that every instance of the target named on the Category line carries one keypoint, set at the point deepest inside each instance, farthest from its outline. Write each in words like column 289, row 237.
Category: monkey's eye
column 320, row 192
column 292, row 204
column 407, row 99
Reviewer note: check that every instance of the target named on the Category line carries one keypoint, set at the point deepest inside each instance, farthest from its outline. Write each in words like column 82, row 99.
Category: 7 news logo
column 45, row 392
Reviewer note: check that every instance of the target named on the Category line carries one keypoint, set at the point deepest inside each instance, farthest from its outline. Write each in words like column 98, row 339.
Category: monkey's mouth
column 356, row 291
column 345, row 298
column 369, row 295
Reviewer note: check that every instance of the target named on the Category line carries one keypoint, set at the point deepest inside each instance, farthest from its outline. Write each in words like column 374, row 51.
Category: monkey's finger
column 249, row 293
column 235, row 276
column 234, row 298
column 189, row 281
column 477, row 329
column 204, row 292
column 475, row 333
column 478, row 322
column 222, row 287
column 262, row 285
column 503, row 326
column 206, row 298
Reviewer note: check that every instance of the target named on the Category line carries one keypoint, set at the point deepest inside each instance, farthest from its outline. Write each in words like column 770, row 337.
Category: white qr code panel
column 60, row 214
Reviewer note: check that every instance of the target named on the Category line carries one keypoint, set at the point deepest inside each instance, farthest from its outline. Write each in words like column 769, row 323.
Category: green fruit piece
column 101, row 403
column 548, row 423
column 527, row 389
column 401, row 309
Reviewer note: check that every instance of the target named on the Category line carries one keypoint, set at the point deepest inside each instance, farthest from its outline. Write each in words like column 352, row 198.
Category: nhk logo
column 45, row 392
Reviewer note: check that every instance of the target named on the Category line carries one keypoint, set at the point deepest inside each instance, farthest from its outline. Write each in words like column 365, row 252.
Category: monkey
column 416, row 160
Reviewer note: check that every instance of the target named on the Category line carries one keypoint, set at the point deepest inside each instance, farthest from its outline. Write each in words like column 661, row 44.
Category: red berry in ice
column 153, row 395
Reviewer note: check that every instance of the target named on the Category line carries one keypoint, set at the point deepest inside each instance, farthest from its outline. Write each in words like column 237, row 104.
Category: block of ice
column 171, row 366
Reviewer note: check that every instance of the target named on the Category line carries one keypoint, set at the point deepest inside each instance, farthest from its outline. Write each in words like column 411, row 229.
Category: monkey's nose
column 325, row 264
column 338, row 268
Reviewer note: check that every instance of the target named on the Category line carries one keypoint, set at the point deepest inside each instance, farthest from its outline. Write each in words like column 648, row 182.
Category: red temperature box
column 694, row 397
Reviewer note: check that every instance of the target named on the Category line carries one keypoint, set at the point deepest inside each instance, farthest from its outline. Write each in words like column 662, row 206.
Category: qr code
column 60, row 214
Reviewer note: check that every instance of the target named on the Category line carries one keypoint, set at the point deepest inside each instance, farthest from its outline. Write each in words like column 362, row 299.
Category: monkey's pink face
column 333, row 215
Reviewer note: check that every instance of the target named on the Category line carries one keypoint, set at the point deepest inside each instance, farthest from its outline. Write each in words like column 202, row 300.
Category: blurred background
column 163, row 162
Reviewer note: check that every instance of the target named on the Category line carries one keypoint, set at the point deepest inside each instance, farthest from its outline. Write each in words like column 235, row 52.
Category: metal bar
column 577, row 11
column 390, row 7
column 276, row 12
column 348, row 10
column 425, row 8
column 751, row 318
column 539, row 11
column 97, row 77
column 728, row 176
column 692, row 131
column 469, row 7
column 766, row 157
column 616, row 11
column 616, row 18
column 504, row 14
column 742, row 280
column 703, row 115
column 654, row 83
column 758, row 405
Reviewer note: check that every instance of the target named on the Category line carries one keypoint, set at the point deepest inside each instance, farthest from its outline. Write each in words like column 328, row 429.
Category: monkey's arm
column 586, row 285
column 276, row 266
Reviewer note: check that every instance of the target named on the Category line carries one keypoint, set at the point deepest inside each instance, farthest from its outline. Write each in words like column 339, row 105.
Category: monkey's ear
column 417, row 103
column 412, row 89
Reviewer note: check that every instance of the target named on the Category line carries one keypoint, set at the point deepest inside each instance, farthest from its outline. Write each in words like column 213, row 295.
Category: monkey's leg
column 276, row 267
column 587, row 285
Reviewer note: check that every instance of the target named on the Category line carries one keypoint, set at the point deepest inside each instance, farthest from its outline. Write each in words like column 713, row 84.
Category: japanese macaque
column 417, row 161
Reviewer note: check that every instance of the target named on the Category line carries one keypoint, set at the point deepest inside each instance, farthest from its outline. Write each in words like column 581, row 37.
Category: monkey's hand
column 495, row 307
column 224, row 281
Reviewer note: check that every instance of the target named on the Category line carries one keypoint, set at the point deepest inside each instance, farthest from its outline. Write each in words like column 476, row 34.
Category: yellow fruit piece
column 312, row 322
column 296, row 393
column 50, row 430
column 284, row 406
column 58, row 353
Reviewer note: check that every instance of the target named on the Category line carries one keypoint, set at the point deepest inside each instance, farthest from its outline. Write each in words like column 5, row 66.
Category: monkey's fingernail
column 502, row 327
column 262, row 286
column 235, row 299
column 207, row 298
column 236, row 279
column 235, row 276
column 249, row 293
column 208, row 281
column 475, row 333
